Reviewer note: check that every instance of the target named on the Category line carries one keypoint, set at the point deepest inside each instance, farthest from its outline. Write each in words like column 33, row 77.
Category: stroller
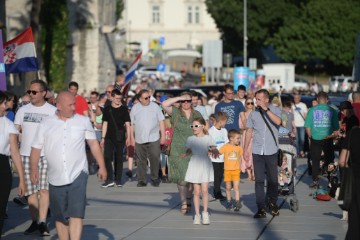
column 287, row 172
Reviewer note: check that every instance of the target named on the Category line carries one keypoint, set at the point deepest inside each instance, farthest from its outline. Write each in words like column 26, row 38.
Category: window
column 189, row 14
column 193, row 14
column 197, row 15
column 156, row 14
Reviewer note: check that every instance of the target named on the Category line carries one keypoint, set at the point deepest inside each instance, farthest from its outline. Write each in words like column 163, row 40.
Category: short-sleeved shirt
column 81, row 105
column 288, row 118
column 7, row 127
column 263, row 141
column 121, row 116
column 220, row 137
column 233, row 110
column 300, row 110
column 63, row 143
column 202, row 111
column 29, row 117
column 322, row 120
column 146, row 121
column 232, row 156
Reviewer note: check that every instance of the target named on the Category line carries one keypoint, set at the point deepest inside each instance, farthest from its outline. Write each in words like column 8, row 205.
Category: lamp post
column 245, row 33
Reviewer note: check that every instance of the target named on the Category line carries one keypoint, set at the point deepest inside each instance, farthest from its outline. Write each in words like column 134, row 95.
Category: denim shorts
column 69, row 201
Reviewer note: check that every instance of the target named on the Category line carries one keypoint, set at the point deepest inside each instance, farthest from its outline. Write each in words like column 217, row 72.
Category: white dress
column 200, row 169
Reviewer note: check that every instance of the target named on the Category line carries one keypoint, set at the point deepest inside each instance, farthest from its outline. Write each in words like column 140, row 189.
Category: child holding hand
column 232, row 163
column 200, row 170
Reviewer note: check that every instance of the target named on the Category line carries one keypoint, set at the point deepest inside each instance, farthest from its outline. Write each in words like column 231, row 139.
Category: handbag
column 344, row 199
column 119, row 134
column 280, row 153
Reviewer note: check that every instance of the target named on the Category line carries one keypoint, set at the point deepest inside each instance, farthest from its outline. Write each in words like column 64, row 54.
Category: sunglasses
column 248, row 103
column 185, row 101
column 196, row 126
column 32, row 91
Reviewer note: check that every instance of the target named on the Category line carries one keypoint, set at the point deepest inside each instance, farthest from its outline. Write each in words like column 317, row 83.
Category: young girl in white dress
column 200, row 170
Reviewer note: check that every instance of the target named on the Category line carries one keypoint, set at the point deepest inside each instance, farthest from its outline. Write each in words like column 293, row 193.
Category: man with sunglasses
column 234, row 109
column 148, row 130
column 26, row 121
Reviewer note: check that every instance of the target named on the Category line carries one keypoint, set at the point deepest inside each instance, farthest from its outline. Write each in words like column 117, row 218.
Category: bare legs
column 201, row 189
column 71, row 231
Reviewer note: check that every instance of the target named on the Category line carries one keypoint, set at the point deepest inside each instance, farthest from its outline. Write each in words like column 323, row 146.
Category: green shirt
column 322, row 121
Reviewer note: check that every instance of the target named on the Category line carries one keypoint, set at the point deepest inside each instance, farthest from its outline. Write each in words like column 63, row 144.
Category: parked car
column 301, row 83
column 152, row 70
column 340, row 83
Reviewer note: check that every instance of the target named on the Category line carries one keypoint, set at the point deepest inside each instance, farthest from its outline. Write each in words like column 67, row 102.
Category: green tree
column 264, row 18
column 54, row 22
column 326, row 30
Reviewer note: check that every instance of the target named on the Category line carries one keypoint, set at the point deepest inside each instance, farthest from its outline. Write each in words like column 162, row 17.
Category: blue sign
column 162, row 41
column 161, row 67
column 241, row 77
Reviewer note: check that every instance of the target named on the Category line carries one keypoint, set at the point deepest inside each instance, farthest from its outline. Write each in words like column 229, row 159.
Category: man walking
column 82, row 107
column 264, row 151
column 26, row 121
column 116, row 122
column 234, row 109
column 62, row 137
column 300, row 110
column 148, row 130
column 321, row 123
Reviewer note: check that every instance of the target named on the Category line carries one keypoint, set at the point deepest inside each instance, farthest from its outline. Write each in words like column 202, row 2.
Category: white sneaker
column 197, row 219
column 205, row 218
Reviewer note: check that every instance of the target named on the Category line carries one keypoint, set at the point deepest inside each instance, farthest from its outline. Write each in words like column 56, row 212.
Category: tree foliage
column 54, row 22
column 301, row 31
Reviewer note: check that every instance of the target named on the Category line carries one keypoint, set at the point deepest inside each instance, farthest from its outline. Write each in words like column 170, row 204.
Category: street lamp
column 245, row 33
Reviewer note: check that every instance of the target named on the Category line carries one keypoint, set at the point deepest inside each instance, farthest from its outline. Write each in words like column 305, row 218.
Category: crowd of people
column 190, row 140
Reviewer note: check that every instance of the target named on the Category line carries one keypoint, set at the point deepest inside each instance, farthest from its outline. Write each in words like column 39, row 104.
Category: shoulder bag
column 280, row 152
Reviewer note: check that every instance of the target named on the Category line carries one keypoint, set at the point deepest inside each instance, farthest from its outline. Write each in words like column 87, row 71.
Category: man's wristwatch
column 266, row 110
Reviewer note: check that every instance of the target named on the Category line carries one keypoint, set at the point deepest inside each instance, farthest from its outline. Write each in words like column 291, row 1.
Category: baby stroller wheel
column 294, row 204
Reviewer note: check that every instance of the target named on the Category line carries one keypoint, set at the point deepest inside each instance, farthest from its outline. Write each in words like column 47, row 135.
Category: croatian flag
column 20, row 54
column 130, row 73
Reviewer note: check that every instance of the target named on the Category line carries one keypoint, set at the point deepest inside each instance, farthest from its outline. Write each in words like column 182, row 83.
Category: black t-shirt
column 120, row 114
column 354, row 137
column 349, row 124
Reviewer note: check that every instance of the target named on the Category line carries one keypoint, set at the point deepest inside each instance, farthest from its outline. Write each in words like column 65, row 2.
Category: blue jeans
column 265, row 165
column 300, row 139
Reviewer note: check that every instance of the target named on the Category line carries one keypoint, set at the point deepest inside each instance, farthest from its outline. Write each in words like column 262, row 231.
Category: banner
column 241, row 77
column 2, row 68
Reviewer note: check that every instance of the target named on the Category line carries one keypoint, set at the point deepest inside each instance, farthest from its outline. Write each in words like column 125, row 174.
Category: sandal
column 184, row 208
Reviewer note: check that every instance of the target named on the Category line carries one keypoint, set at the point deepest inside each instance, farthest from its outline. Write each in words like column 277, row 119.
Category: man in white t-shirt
column 300, row 110
column 26, row 121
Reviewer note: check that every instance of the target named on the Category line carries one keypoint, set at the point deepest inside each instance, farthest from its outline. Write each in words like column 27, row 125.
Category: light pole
column 245, row 33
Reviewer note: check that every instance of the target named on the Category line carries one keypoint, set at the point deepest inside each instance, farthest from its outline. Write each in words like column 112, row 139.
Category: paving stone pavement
column 152, row 213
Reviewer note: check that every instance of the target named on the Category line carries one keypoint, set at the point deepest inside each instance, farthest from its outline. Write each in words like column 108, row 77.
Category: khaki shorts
column 232, row 175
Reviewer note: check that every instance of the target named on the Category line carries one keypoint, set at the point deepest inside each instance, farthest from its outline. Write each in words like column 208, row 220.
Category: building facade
column 169, row 23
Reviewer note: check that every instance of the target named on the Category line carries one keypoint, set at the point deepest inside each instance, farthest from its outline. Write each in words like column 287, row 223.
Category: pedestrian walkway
column 152, row 213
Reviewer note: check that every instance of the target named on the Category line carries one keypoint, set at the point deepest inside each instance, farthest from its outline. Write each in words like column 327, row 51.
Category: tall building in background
column 167, row 23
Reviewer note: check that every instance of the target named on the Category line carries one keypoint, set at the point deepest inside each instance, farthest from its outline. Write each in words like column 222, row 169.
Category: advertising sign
column 241, row 77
